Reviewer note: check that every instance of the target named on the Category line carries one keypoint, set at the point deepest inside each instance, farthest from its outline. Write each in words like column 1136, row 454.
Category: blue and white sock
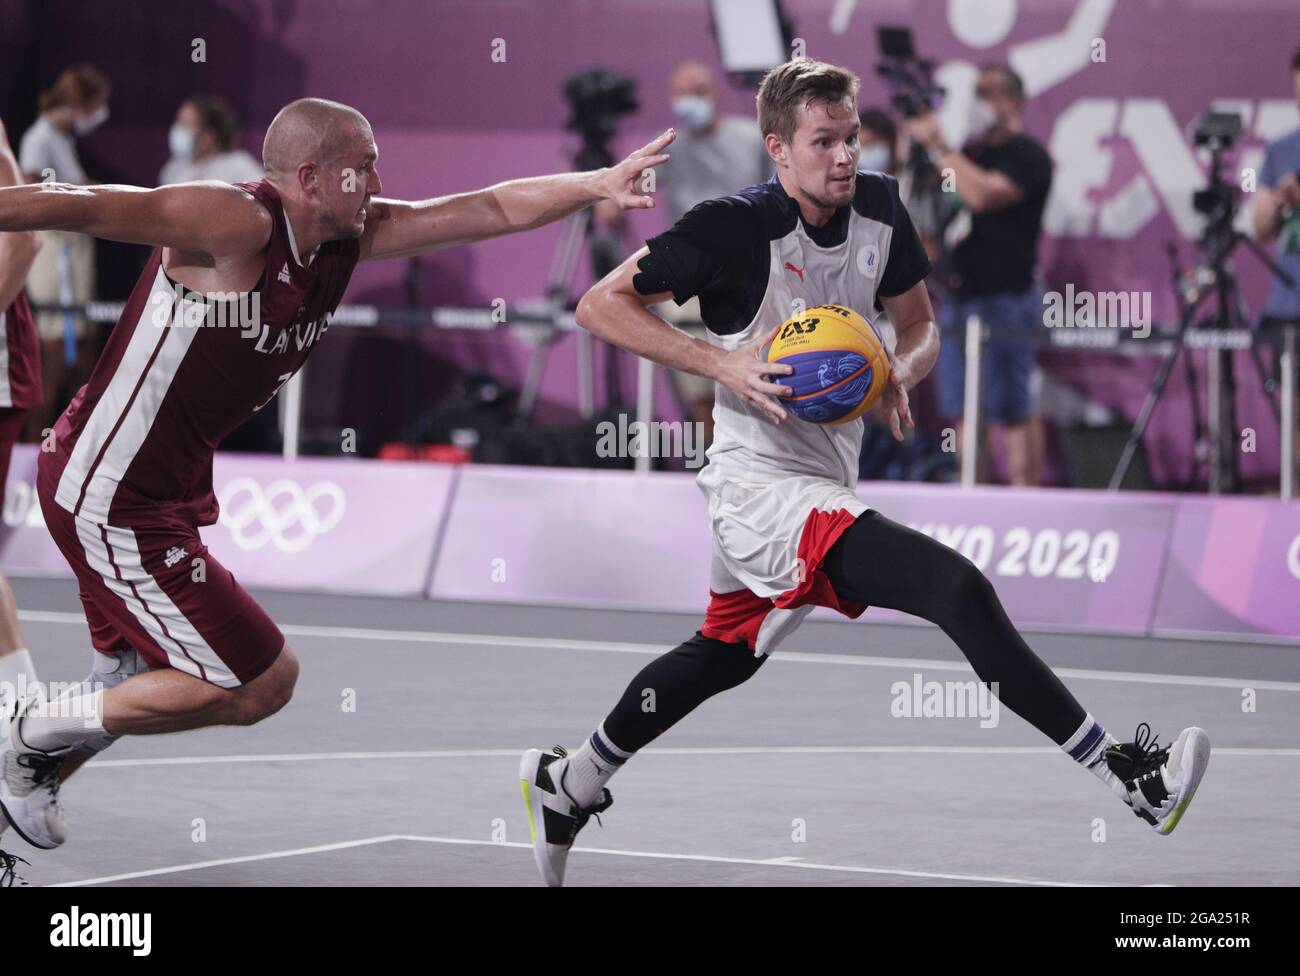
column 1087, row 747
column 588, row 768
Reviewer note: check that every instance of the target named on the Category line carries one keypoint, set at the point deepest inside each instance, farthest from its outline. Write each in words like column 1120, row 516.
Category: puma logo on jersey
column 174, row 555
column 798, row 271
column 283, row 276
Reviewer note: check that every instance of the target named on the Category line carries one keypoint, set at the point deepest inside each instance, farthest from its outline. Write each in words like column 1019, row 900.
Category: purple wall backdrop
column 1064, row 560
column 450, row 119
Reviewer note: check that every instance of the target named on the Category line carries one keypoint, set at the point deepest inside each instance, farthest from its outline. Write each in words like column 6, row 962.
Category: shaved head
column 311, row 130
column 320, row 156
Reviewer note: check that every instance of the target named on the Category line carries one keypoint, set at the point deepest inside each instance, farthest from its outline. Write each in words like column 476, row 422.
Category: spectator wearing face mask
column 877, row 142
column 204, row 144
column 713, row 156
column 64, row 270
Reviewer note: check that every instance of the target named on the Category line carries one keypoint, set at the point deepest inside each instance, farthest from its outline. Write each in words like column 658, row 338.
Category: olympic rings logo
column 283, row 514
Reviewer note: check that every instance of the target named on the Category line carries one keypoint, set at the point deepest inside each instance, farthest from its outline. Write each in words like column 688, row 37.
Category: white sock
column 17, row 677
column 70, row 720
column 588, row 768
column 1087, row 747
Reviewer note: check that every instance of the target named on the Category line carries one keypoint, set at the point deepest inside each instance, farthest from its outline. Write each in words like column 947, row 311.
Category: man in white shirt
column 204, row 144
column 64, row 270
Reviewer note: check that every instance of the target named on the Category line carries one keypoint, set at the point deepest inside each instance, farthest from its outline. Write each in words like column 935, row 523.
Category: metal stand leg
column 971, row 410
column 291, row 415
column 645, row 389
column 1288, row 412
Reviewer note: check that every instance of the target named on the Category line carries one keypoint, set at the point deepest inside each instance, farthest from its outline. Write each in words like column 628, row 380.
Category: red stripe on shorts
column 821, row 530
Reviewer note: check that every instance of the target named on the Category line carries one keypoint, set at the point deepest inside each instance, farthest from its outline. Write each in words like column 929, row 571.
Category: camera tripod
column 1215, row 448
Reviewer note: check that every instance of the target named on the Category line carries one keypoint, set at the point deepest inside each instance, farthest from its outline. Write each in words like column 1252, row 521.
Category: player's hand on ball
column 745, row 371
column 894, row 408
column 622, row 181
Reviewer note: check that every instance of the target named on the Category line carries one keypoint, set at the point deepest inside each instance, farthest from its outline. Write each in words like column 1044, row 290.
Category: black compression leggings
column 883, row 564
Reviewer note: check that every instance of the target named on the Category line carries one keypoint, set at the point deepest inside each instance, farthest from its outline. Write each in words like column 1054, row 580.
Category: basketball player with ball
column 787, row 273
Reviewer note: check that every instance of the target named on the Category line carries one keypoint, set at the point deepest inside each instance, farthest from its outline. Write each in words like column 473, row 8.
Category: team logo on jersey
column 798, row 271
column 283, row 276
column 869, row 260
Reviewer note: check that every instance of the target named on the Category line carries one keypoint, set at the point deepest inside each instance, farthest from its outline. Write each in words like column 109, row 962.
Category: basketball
column 840, row 364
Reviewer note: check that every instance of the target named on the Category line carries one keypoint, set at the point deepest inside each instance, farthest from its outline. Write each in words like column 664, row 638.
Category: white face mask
column 84, row 124
column 180, row 140
column 874, row 158
column 693, row 111
column 982, row 118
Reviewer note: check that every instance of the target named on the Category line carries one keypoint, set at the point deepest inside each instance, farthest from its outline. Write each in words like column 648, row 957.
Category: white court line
column 218, row 862
column 627, row 647
column 612, row 852
column 1248, row 752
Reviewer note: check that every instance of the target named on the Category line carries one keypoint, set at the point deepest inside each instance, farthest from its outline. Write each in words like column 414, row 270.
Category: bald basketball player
column 179, row 643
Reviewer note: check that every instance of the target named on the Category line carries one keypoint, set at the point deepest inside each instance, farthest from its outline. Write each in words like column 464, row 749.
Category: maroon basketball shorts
column 156, row 588
column 11, row 427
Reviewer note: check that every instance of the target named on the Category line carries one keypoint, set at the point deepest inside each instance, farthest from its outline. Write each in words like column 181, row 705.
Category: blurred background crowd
column 1014, row 185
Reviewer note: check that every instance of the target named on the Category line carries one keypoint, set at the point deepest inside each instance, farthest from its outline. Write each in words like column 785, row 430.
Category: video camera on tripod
column 1217, row 131
column 910, row 79
column 597, row 98
column 912, row 89
column 1208, row 298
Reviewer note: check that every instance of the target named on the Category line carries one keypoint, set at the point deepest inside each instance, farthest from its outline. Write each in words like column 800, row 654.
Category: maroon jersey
column 180, row 372
column 20, row 356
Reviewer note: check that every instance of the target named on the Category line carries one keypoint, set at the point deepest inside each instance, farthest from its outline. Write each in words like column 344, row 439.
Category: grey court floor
column 803, row 776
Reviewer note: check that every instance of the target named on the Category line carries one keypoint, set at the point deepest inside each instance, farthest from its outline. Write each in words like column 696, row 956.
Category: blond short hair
column 803, row 81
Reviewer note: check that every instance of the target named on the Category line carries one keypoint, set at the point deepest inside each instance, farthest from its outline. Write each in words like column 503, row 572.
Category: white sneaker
column 29, row 788
column 1160, row 782
column 553, row 818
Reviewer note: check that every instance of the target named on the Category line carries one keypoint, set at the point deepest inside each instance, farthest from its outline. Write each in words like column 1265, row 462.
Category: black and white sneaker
column 9, row 876
column 29, row 787
column 1160, row 781
column 554, row 819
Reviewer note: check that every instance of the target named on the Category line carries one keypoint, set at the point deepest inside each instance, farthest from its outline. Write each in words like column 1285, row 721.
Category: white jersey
column 755, row 263
column 779, row 495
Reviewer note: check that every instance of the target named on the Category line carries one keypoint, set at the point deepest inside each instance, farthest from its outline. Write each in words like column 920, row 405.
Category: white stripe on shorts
column 152, row 608
column 6, row 392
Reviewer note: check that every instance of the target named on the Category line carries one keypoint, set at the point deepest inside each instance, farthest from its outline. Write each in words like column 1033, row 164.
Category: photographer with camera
column 1002, row 178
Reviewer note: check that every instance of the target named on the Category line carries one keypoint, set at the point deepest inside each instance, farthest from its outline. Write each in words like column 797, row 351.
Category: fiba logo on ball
column 869, row 260
column 840, row 364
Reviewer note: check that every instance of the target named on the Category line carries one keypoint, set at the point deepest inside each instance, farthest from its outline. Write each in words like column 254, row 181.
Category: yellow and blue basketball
column 840, row 364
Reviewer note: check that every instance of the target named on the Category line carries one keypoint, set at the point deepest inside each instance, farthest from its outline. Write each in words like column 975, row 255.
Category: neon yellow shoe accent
column 528, row 804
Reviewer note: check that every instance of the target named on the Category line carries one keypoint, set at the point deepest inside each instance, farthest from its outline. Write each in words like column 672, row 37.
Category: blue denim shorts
column 1007, row 366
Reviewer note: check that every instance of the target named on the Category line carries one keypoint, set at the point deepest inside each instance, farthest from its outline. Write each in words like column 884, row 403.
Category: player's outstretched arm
column 17, row 250
column 916, row 349
column 399, row 228
column 615, row 311
column 209, row 217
